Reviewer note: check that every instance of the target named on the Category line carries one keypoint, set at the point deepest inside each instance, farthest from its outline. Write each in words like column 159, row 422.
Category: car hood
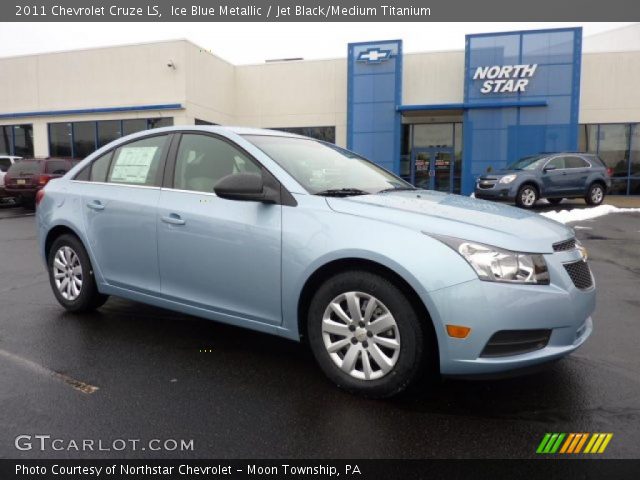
column 501, row 173
column 458, row 216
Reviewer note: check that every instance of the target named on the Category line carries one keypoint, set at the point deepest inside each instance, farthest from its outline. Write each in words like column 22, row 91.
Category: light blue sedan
column 298, row 238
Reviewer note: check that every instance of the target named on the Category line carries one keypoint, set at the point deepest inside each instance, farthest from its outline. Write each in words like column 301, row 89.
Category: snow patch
column 581, row 214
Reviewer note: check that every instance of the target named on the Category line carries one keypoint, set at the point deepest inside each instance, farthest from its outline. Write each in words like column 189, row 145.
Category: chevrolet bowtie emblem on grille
column 374, row 55
column 583, row 252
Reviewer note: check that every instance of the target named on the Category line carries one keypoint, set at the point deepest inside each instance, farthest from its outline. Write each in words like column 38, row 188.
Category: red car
column 27, row 176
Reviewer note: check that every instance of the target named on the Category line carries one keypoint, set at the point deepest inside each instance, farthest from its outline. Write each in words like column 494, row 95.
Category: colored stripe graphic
column 572, row 443
column 543, row 443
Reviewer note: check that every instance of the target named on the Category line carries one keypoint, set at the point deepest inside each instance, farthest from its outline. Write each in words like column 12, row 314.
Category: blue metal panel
column 475, row 105
column 374, row 92
column 81, row 111
column 497, row 135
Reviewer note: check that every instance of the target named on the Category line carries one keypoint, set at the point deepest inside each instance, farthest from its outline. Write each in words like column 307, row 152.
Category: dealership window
column 326, row 134
column 134, row 125
column 160, row 122
column 84, row 138
column 618, row 145
column 203, row 122
column 108, row 131
column 60, row 139
column 80, row 139
column 16, row 140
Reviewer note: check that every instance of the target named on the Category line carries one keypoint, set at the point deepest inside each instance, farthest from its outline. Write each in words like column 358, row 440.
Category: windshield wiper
column 396, row 189
column 342, row 192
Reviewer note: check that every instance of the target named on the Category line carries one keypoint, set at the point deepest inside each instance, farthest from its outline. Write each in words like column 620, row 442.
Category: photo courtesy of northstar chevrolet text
column 319, row 241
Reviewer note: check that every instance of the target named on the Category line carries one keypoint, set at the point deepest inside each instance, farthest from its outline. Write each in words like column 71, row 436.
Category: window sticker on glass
column 133, row 164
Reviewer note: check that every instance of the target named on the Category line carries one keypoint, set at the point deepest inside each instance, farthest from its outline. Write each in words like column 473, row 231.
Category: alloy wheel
column 67, row 273
column 528, row 196
column 596, row 194
column 361, row 335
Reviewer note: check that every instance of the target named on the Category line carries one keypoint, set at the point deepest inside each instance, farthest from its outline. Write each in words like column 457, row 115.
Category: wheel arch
column 594, row 181
column 57, row 231
column 532, row 182
column 331, row 268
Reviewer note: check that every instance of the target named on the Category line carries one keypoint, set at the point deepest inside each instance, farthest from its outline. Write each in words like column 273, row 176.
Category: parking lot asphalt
column 240, row 394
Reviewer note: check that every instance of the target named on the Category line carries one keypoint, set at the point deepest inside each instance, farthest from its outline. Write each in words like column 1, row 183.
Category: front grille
column 486, row 186
column 580, row 274
column 515, row 342
column 566, row 245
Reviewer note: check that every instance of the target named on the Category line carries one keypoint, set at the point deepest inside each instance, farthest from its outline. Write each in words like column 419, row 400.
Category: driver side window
column 202, row 160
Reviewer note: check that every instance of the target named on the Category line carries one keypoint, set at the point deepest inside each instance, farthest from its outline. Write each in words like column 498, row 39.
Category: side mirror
column 241, row 186
column 549, row 168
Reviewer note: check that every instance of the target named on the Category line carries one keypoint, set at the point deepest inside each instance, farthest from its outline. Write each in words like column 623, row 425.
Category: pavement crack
column 42, row 370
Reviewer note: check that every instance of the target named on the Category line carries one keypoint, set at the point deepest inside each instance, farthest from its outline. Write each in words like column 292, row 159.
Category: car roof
column 222, row 129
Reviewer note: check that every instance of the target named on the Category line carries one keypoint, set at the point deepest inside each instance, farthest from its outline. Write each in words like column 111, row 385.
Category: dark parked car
column 553, row 176
column 27, row 176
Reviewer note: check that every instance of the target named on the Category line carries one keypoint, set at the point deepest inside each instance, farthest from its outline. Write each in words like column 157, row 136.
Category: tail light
column 43, row 180
column 39, row 196
column 610, row 171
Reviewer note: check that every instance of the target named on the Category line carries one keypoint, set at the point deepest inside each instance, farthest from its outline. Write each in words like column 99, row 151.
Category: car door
column 553, row 177
column 218, row 254
column 119, row 204
column 577, row 170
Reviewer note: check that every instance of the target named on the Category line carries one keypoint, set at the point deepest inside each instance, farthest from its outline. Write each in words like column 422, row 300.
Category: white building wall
column 293, row 94
column 609, row 90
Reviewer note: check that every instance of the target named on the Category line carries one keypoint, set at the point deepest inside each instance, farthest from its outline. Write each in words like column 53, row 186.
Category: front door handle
column 95, row 205
column 173, row 219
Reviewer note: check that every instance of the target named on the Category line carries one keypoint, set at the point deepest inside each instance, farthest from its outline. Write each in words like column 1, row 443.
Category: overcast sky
column 242, row 43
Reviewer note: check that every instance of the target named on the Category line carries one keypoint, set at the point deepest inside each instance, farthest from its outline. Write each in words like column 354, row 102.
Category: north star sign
column 505, row 78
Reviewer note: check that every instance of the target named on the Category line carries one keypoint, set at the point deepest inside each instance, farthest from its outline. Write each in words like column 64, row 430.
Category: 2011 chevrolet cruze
column 299, row 238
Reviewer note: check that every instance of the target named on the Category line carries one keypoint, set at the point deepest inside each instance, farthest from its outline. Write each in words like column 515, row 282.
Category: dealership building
column 438, row 119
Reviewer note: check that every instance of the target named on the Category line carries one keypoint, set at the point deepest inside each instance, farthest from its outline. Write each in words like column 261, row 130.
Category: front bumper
column 495, row 191
column 489, row 307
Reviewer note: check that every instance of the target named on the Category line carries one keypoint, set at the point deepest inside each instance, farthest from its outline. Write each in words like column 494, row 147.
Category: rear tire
column 527, row 196
column 357, row 353
column 595, row 194
column 71, row 275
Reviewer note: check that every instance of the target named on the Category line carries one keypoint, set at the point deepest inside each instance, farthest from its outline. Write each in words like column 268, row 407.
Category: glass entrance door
column 432, row 168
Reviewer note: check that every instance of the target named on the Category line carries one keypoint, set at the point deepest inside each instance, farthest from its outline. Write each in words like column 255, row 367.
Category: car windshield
column 324, row 169
column 527, row 163
column 26, row 167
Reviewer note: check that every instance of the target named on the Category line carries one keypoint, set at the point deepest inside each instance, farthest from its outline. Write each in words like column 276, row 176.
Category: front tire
column 527, row 196
column 365, row 334
column 71, row 275
column 595, row 194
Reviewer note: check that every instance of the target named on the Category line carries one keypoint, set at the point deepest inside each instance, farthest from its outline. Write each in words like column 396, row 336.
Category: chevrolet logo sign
column 374, row 55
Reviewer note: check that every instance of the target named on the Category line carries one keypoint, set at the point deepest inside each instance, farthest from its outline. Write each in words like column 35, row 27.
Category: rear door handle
column 173, row 219
column 95, row 205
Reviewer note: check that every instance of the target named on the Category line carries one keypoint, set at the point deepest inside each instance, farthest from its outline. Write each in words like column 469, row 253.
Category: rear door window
column 575, row 162
column 138, row 163
column 100, row 168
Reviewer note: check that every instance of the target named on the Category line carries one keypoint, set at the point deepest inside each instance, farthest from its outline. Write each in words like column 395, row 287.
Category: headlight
column 508, row 178
column 497, row 265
